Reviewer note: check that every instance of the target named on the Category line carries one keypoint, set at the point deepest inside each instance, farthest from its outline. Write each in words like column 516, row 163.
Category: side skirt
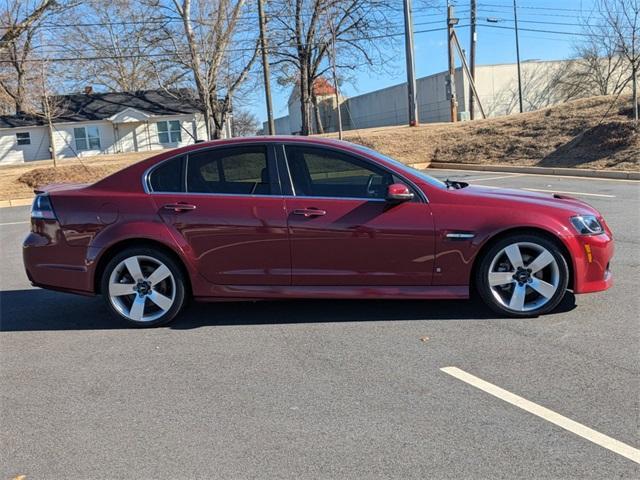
column 260, row 292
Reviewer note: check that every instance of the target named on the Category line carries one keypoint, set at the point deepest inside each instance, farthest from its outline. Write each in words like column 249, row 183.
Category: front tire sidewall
column 482, row 276
column 171, row 265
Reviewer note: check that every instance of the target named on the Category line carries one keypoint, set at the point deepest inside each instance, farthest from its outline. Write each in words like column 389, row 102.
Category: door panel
column 360, row 242
column 235, row 240
column 356, row 237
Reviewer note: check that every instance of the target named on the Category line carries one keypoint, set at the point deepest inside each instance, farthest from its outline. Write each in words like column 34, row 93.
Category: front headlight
column 587, row 224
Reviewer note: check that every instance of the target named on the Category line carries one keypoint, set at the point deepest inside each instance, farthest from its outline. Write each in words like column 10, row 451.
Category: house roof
column 83, row 107
column 321, row 87
column 20, row 120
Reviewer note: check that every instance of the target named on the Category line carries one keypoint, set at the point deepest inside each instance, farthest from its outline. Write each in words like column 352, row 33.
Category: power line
column 540, row 22
column 538, row 14
column 250, row 19
column 230, row 50
column 530, row 7
column 555, row 32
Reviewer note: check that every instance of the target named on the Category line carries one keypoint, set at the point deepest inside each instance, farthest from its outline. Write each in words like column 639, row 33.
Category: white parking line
column 571, row 193
column 598, row 438
column 13, row 223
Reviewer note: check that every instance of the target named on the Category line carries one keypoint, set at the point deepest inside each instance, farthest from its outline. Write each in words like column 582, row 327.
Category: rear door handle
column 179, row 207
column 309, row 212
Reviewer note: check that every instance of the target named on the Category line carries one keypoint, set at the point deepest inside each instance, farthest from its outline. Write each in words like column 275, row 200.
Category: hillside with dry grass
column 594, row 133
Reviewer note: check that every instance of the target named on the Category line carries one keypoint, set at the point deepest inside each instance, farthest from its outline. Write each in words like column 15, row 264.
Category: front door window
column 318, row 172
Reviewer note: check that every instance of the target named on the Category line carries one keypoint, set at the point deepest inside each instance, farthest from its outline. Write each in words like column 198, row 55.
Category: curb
column 18, row 202
column 569, row 172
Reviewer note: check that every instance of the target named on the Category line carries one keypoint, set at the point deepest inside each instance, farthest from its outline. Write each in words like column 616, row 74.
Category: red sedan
column 293, row 217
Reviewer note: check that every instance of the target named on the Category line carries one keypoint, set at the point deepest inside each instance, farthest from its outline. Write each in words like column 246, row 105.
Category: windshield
column 423, row 176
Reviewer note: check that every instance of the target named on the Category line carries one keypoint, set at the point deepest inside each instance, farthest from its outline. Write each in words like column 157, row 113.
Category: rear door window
column 238, row 170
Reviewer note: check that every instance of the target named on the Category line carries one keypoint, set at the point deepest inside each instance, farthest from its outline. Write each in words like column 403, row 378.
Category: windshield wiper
column 455, row 184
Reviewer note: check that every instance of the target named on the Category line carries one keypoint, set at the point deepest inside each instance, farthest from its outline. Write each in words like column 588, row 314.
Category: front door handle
column 179, row 207
column 309, row 212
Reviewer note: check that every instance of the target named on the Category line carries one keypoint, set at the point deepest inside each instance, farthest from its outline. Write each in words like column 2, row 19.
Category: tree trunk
column 634, row 72
column 52, row 146
column 316, row 110
column 304, row 99
column 20, row 93
column 206, row 114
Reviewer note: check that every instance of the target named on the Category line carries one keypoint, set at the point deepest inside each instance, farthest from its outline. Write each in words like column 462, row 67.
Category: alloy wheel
column 523, row 276
column 142, row 288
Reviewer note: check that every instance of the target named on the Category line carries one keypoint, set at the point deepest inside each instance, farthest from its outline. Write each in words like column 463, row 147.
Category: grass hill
column 595, row 133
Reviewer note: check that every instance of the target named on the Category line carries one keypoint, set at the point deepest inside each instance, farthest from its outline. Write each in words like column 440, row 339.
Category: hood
column 526, row 197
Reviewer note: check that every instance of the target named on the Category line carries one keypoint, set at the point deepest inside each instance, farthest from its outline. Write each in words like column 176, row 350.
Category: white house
column 104, row 123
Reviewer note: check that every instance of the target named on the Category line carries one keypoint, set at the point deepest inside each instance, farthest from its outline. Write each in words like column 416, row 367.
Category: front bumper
column 592, row 256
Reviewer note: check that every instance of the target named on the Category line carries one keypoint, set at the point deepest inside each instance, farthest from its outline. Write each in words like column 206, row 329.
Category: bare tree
column 245, row 123
column 303, row 32
column 122, row 42
column 52, row 107
column 21, row 16
column 623, row 20
column 218, row 50
column 23, row 20
column 599, row 69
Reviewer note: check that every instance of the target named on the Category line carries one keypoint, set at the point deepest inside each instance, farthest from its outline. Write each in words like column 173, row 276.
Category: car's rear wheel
column 143, row 286
column 523, row 276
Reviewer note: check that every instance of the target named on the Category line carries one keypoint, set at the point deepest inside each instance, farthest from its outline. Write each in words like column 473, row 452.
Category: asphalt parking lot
column 312, row 389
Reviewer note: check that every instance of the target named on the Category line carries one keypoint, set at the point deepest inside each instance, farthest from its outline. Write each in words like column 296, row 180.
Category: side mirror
column 398, row 192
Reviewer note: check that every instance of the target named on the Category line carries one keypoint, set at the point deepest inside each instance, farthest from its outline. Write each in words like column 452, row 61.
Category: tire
column 156, row 284
column 523, row 275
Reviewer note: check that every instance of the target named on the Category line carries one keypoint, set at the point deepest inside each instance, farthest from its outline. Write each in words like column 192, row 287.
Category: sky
column 495, row 45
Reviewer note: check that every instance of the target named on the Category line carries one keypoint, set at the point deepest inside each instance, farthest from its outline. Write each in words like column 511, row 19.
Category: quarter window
column 87, row 138
column 317, row 172
column 240, row 171
column 167, row 177
column 23, row 138
column 169, row 132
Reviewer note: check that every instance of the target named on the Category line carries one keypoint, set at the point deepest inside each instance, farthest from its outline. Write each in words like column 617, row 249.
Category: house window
column 169, row 131
column 23, row 138
column 87, row 138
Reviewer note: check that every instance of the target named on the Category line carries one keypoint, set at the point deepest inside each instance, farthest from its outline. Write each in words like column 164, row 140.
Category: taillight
column 42, row 208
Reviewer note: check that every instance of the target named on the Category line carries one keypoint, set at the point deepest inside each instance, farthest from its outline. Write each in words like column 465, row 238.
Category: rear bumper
column 592, row 262
column 50, row 263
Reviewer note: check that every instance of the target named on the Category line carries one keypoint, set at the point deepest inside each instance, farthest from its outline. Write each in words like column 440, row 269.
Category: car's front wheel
column 143, row 286
column 522, row 276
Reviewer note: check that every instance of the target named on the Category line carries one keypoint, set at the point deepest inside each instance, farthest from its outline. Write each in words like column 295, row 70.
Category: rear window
column 167, row 177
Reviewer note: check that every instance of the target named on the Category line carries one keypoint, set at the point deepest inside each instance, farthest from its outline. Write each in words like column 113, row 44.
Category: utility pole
column 265, row 68
column 472, row 55
column 451, row 21
column 411, row 74
column 515, row 19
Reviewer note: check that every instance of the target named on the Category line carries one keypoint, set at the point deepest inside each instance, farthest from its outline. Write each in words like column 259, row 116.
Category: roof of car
column 273, row 138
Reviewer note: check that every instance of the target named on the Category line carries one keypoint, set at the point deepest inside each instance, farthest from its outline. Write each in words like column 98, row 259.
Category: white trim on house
column 129, row 115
